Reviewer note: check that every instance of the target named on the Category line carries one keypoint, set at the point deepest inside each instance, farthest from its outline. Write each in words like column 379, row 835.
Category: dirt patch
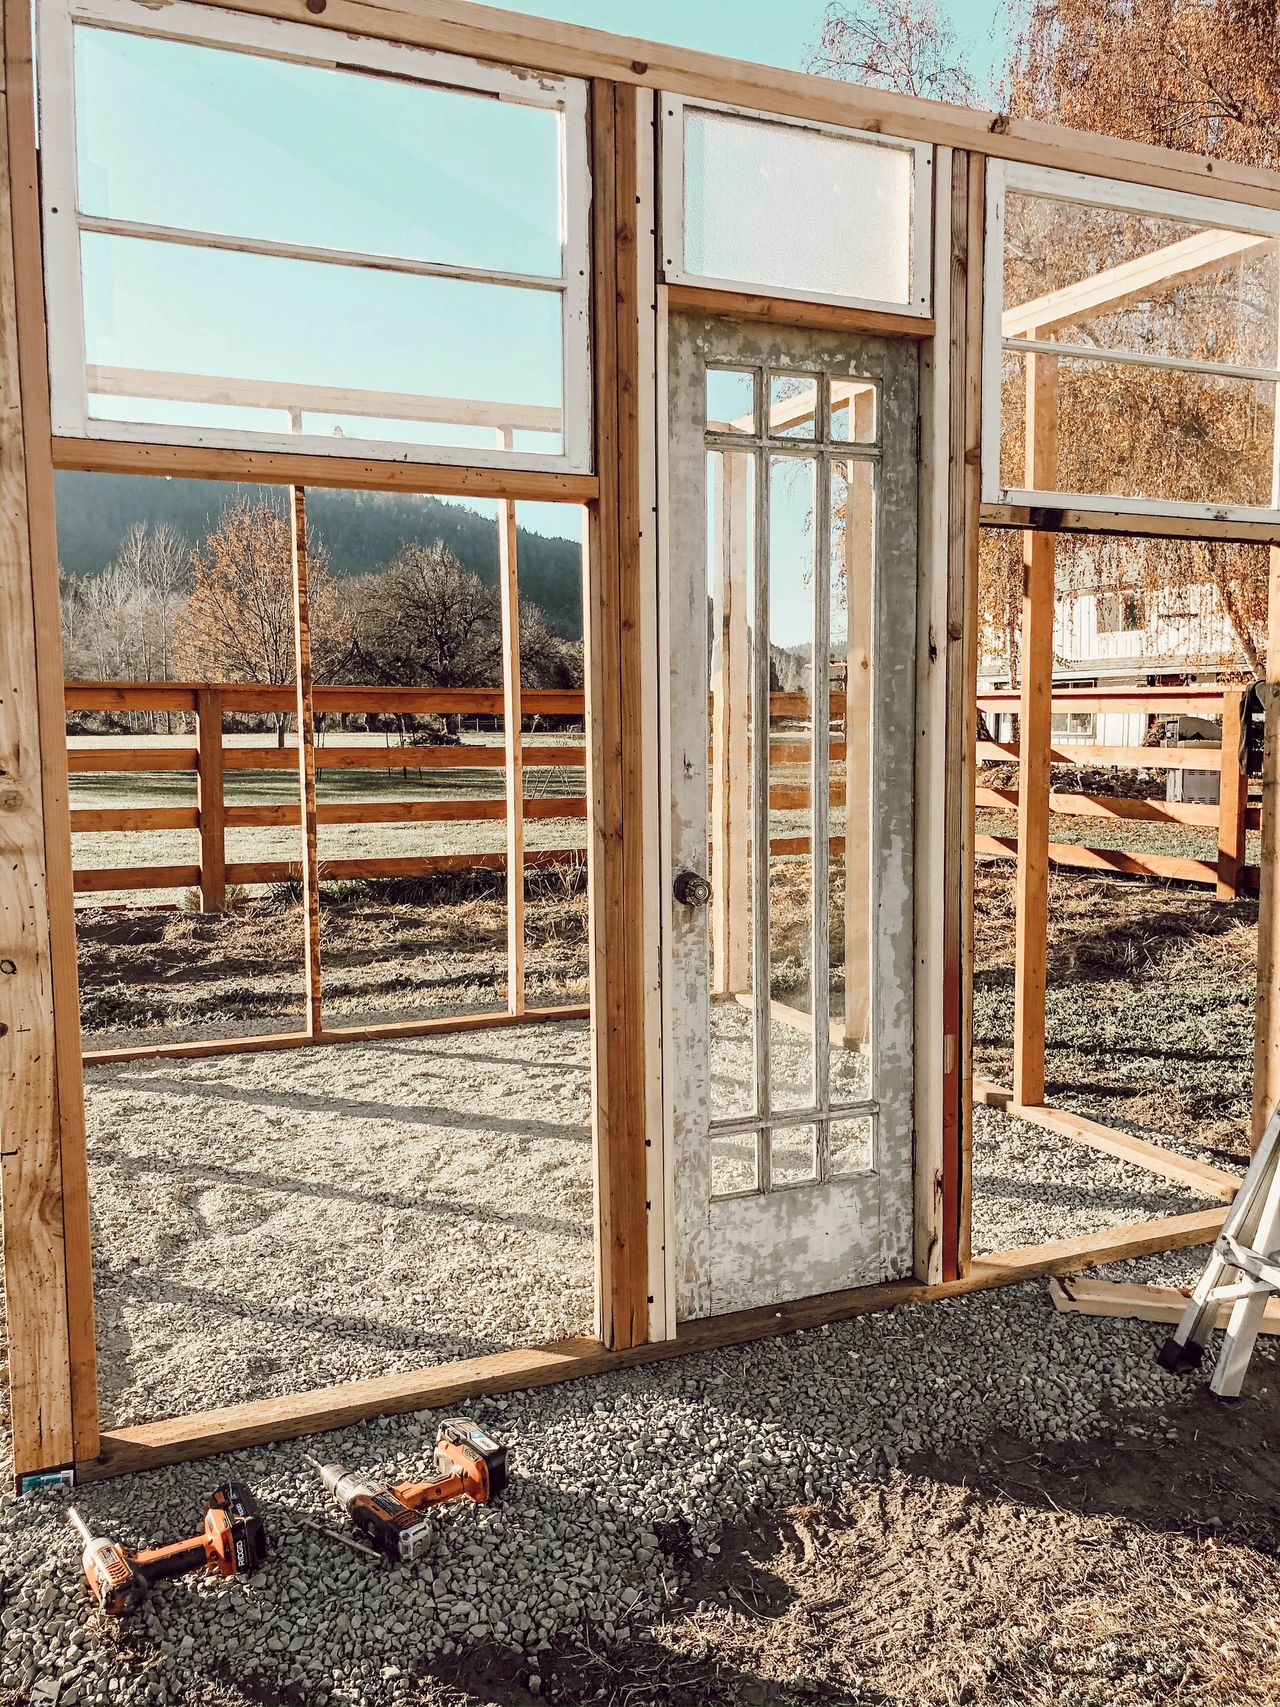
column 389, row 951
column 1150, row 1003
column 1136, row 1568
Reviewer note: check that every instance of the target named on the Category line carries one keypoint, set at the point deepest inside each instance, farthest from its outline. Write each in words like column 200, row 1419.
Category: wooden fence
column 1228, row 873
column 210, row 758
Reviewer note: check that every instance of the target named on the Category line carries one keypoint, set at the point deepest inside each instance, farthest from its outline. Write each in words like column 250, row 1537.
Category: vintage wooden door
column 792, row 632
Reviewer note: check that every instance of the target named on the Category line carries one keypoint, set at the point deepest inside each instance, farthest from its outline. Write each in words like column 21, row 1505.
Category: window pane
column 793, row 406
column 1186, row 290
column 189, row 313
column 197, row 137
column 796, row 210
column 850, row 1147
column 1126, row 431
column 733, row 1162
column 789, row 868
column 731, row 400
column 730, row 591
column 793, row 1153
column 854, row 414
column 852, row 524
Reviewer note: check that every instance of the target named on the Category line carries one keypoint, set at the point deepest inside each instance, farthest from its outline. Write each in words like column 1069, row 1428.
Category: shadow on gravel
column 1113, row 1571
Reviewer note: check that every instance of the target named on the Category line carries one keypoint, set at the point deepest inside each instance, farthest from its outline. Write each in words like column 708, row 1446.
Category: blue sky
column 170, row 133
column 773, row 32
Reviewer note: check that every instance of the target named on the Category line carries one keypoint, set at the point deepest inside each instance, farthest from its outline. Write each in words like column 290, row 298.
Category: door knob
column 691, row 889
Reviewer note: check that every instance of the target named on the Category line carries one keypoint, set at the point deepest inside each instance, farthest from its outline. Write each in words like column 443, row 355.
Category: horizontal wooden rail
column 1157, row 701
column 100, row 881
column 1111, row 758
column 1118, row 860
column 1201, row 812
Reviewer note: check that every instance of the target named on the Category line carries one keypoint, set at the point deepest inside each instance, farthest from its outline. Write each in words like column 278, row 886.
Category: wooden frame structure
column 46, row 1224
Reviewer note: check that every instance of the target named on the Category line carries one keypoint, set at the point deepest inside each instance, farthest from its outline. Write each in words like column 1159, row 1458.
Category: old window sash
column 1007, row 331
column 918, row 300
column 208, row 26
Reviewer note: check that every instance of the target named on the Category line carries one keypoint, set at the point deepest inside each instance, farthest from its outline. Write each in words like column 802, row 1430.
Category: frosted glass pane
column 796, row 210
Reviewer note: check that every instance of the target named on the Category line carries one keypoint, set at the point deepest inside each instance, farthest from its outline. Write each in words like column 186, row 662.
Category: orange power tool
column 232, row 1541
column 470, row 1464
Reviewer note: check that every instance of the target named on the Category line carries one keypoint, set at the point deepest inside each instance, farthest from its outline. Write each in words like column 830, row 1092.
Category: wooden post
column 513, row 740
column 1035, row 710
column 210, row 800
column 731, row 733
column 306, row 760
column 619, row 698
column 1233, row 798
column 43, row 1170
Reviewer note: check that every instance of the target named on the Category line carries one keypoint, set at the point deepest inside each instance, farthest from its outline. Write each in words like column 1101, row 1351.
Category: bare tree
column 1202, row 75
column 236, row 625
column 907, row 45
column 427, row 621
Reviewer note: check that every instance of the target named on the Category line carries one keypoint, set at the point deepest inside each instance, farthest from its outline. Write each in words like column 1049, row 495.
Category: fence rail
column 211, row 757
column 1229, row 873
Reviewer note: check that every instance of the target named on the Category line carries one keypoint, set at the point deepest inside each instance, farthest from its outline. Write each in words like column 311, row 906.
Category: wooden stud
column 1031, row 930
column 306, row 761
column 48, row 1263
column 238, row 1427
column 513, row 742
column 210, row 801
column 617, row 740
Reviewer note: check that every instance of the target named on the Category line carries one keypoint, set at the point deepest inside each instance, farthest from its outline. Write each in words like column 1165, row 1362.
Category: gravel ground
column 270, row 1222
column 620, row 1488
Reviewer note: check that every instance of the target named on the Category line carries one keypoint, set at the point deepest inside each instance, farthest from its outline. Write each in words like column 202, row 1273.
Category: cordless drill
column 469, row 1464
column 232, row 1541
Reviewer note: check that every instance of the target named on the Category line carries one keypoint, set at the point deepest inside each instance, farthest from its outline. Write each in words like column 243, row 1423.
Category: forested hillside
column 361, row 532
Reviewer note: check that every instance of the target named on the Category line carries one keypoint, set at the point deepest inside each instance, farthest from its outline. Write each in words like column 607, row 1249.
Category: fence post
column 1233, row 798
column 210, row 801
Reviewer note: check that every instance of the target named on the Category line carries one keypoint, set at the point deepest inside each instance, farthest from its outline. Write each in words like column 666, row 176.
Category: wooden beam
column 786, row 311
column 304, row 468
column 1092, row 1297
column 306, row 760
column 618, row 703
column 319, row 399
column 1204, row 251
column 238, row 1427
column 962, row 720
column 1115, row 860
column 513, row 744
column 1120, row 758
column 1155, row 1158
column 1126, row 524
column 43, row 1168
column 1034, row 734
column 445, row 1026
column 1117, row 807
